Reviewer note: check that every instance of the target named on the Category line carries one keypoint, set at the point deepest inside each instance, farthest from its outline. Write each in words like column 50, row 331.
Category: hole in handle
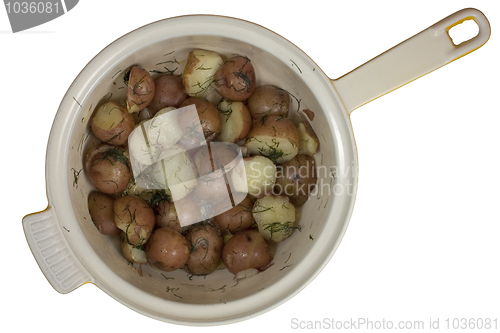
column 463, row 31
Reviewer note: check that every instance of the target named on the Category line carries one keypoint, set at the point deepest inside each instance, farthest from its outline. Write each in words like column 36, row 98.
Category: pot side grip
column 419, row 55
column 52, row 253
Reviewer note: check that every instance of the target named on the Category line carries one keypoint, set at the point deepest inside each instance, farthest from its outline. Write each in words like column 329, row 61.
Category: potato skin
column 296, row 179
column 246, row 249
column 275, row 217
column 198, row 75
column 205, row 248
column 169, row 91
column 274, row 137
column 131, row 253
column 236, row 120
column 135, row 217
column 268, row 100
column 108, row 168
column 101, row 211
column 167, row 250
column 208, row 118
column 235, row 219
column 140, row 89
column 166, row 216
column 111, row 123
column 235, row 79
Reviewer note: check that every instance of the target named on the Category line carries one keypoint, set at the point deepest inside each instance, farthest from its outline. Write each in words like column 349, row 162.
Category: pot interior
column 164, row 46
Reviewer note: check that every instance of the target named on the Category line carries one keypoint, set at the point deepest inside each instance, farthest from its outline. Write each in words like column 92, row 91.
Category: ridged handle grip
column 52, row 253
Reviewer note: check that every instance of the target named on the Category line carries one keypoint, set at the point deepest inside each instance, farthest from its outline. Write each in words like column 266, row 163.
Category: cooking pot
column 69, row 249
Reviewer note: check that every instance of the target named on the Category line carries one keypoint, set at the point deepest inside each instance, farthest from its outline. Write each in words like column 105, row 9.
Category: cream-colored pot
column 69, row 249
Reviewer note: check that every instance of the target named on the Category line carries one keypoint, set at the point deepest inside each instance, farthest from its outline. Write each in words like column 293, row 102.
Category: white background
column 424, row 239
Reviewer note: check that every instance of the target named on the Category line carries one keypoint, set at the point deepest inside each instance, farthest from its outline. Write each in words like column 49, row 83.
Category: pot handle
column 52, row 253
column 409, row 60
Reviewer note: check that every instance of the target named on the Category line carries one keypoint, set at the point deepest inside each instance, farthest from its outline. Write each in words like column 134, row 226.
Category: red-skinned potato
column 140, row 89
column 166, row 216
column 169, row 91
column 101, row 213
column 167, row 250
column 235, row 79
column 268, row 100
column 246, row 249
column 108, row 168
column 205, row 248
column 135, row 218
column 111, row 123
column 236, row 120
column 235, row 219
column 296, row 179
column 208, row 118
column 274, row 137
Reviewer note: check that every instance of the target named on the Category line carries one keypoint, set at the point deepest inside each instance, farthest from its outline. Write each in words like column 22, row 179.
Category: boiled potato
column 108, row 168
column 274, row 137
column 246, row 249
column 140, row 89
column 162, row 130
column 199, row 72
column 268, row 100
column 296, row 179
column 212, row 187
column 215, row 156
column 206, row 120
column 236, row 120
column 190, row 210
column 235, row 79
column 175, row 173
column 169, row 91
column 234, row 218
column 111, row 123
column 205, row 248
column 167, row 250
column 135, row 218
column 134, row 254
column 166, row 216
column 275, row 217
column 256, row 176
column 101, row 212
column 309, row 141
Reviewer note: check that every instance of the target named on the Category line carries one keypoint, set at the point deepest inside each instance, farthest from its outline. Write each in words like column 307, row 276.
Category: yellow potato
column 256, row 176
column 275, row 217
column 199, row 72
column 111, row 123
column 274, row 137
column 236, row 121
